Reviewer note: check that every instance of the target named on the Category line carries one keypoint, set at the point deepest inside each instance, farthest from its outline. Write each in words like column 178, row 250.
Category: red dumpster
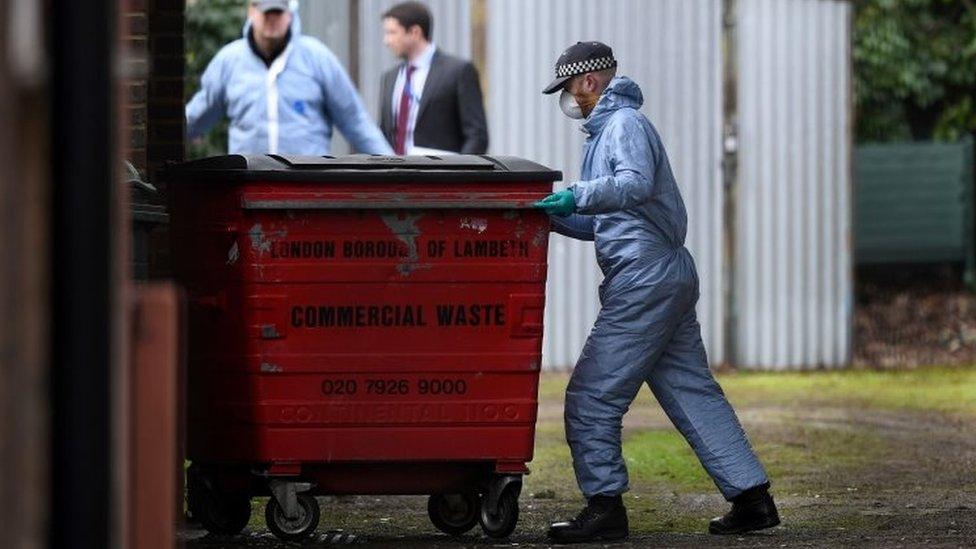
column 360, row 325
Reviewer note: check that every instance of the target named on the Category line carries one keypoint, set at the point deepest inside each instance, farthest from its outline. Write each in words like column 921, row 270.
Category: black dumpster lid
column 360, row 167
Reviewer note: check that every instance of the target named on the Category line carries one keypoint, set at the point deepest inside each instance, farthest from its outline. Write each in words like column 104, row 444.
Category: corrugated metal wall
column 793, row 278
column 672, row 49
column 329, row 22
column 793, row 282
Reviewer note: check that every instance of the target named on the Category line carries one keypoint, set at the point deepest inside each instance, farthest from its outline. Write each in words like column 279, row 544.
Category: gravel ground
column 845, row 474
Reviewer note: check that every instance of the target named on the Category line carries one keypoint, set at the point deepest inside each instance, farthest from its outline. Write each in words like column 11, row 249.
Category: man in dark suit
column 432, row 101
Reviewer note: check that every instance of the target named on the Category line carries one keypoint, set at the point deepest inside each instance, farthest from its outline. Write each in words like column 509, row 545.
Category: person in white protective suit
column 628, row 203
column 283, row 92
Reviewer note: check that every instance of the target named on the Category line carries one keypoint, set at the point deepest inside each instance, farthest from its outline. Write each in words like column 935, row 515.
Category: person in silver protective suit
column 628, row 203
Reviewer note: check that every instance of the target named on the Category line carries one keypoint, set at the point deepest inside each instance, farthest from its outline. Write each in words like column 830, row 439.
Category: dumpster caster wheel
column 500, row 522
column 221, row 514
column 454, row 514
column 295, row 529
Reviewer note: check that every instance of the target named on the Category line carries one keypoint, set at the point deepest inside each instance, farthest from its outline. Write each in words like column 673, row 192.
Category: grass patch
column 552, row 465
column 256, row 523
column 808, row 460
column 936, row 389
column 653, row 481
column 552, row 386
column 664, row 456
column 801, row 457
column 939, row 389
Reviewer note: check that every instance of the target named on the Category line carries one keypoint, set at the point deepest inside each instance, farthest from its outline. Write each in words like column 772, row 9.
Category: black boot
column 751, row 510
column 603, row 518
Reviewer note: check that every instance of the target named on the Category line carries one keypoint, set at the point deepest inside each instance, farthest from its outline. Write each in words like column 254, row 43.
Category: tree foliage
column 210, row 25
column 915, row 69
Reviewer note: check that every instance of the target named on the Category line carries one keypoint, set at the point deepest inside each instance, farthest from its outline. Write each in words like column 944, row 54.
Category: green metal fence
column 914, row 204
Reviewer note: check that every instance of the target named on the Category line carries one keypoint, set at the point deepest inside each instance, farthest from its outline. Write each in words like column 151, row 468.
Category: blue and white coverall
column 646, row 331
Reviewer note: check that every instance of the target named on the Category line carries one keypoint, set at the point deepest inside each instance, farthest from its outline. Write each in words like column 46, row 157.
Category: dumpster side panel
column 326, row 330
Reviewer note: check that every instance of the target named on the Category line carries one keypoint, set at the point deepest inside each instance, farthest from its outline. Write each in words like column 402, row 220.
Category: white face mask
column 569, row 106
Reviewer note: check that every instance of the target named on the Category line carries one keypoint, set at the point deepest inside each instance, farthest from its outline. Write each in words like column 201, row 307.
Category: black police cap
column 581, row 58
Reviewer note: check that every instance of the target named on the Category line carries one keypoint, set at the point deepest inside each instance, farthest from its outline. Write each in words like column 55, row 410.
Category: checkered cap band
column 585, row 66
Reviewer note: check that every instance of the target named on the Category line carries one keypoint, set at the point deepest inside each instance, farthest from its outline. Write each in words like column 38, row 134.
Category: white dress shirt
column 417, row 81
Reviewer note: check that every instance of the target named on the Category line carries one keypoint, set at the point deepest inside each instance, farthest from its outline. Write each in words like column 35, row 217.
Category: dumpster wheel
column 454, row 514
column 293, row 530
column 500, row 522
column 219, row 513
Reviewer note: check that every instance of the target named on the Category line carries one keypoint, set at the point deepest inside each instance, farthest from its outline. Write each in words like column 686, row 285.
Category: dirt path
column 843, row 476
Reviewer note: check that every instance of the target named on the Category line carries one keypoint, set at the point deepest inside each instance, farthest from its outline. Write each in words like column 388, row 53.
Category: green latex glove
column 561, row 203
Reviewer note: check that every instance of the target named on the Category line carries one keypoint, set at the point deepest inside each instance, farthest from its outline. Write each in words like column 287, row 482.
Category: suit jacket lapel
column 434, row 78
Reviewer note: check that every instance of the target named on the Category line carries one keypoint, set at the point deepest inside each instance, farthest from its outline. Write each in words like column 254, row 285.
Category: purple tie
column 403, row 116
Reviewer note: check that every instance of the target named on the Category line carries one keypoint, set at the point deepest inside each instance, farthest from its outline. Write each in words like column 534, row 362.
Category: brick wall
column 135, row 41
column 166, row 120
column 153, row 86
column 152, row 37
